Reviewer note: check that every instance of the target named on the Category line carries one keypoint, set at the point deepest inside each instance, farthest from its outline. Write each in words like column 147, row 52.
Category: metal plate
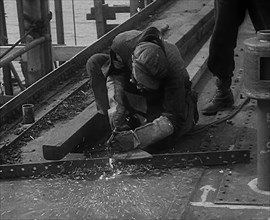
column 234, row 189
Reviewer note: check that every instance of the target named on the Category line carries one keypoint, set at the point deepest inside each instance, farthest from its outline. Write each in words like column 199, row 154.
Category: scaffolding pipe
column 20, row 52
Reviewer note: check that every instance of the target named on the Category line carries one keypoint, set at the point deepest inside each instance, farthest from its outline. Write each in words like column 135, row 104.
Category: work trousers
column 229, row 15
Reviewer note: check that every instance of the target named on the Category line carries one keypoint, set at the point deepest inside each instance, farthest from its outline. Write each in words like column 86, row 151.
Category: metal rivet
column 11, row 170
column 46, row 168
column 22, row 169
column 34, row 168
column 232, row 156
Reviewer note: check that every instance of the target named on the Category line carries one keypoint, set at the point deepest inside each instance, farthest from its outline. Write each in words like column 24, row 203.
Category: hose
column 219, row 121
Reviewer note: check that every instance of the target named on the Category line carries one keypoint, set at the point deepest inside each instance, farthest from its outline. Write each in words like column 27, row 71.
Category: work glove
column 117, row 110
column 142, row 136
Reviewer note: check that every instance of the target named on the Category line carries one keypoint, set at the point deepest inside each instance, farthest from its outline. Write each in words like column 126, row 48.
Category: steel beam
column 158, row 161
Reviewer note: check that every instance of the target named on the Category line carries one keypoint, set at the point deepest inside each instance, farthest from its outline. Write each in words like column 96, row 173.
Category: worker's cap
column 149, row 64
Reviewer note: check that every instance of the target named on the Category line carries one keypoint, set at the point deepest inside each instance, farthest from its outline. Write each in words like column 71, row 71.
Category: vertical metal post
column 39, row 59
column 46, row 31
column 100, row 20
column 20, row 17
column 263, row 142
column 4, row 41
column 59, row 21
column 22, row 31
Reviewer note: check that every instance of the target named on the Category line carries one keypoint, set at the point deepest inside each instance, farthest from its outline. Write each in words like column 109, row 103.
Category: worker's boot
column 223, row 98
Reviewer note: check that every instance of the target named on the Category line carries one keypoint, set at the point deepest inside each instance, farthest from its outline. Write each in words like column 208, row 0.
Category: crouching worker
column 143, row 86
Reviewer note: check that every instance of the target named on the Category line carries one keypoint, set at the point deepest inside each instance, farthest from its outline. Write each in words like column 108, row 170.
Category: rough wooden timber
column 89, row 126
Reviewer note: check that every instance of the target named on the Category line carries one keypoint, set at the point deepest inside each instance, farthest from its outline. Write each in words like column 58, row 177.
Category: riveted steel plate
column 235, row 189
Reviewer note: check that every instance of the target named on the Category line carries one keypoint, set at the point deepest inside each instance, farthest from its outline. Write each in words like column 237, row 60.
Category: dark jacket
column 176, row 85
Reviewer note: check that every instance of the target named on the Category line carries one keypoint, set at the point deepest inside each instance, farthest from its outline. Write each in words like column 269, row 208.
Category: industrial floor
column 191, row 193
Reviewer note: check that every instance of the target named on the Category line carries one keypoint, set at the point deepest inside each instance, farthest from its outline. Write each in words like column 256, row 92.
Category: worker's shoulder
column 174, row 56
column 170, row 47
column 126, row 36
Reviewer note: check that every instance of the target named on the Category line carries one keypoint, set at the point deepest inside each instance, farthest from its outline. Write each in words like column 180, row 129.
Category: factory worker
column 144, row 88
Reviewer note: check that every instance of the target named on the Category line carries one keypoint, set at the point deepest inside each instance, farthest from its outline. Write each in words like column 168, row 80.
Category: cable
column 233, row 113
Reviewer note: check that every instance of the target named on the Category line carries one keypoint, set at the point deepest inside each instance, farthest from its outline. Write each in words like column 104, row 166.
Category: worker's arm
column 143, row 136
column 116, row 85
column 176, row 85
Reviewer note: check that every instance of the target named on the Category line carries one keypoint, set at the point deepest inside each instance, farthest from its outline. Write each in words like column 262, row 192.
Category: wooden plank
column 80, row 59
column 193, row 30
column 198, row 64
column 120, row 8
column 89, row 126
column 109, row 12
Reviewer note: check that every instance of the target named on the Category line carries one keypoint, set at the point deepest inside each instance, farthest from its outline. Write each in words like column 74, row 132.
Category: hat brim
column 143, row 77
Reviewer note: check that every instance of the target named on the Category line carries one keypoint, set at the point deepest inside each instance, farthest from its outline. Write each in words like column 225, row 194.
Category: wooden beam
column 109, row 12
column 100, row 18
column 88, row 127
column 16, row 76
